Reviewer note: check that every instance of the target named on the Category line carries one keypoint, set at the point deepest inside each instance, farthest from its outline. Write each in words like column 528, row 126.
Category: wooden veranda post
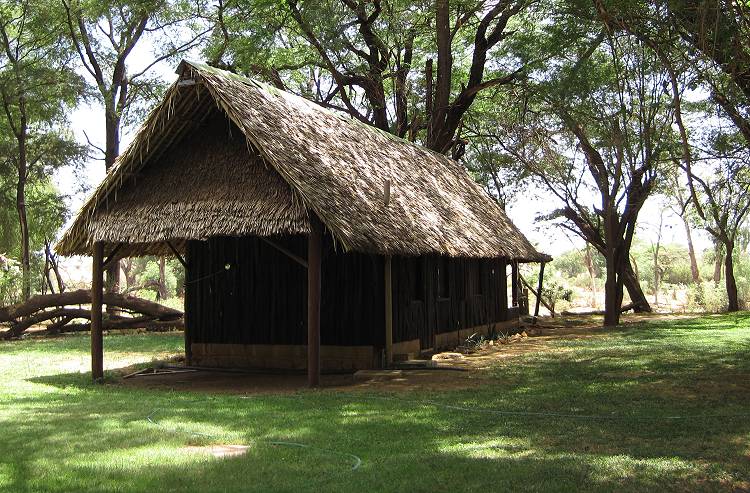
column 314, row 254
column 97, row 283
column 539, row 290
column 514, row 282
column 388, row 312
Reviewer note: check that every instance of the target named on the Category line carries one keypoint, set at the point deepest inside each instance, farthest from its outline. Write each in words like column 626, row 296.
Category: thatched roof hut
column 289, row 217
column 298, row 158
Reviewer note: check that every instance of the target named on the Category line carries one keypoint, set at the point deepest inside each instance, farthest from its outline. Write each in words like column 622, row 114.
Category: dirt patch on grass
column 265, row 383
column 218, row 451
column 539, row 338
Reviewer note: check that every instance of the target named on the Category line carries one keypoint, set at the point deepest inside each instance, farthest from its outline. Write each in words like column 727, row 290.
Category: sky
column 89, row 120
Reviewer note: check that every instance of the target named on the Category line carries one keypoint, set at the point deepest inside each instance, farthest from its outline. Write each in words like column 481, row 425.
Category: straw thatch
column 182, row 178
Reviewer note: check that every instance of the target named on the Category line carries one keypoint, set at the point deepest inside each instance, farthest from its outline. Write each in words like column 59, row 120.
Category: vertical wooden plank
column 187, row 306
column 514, row 281
column 388, row 311
column 539, row 289
column 314, row 253
column 97, row 283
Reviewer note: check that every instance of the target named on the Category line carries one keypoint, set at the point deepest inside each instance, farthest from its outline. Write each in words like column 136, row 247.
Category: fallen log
column 623, row 309
column 81, row 297
column 141, row 323
column 42, row 308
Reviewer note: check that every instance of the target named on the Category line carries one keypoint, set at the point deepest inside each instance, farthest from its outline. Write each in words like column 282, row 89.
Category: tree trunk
column 656, row 276
column 611, row 306
column 718, row 260
column 112, row 150
column 691, row 251
column 128, row 269
column 630, row 281
column 23, row 222
column 161, row 293
column 611, row 302
column 444, row 70
column 731, row 284
column 21, row 203
column 592, row 274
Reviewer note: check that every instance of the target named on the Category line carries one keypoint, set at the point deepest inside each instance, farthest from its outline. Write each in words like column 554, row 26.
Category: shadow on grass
column 626, row 388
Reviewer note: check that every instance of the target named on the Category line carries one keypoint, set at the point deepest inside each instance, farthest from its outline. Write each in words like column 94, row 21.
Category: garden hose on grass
column 356, row 461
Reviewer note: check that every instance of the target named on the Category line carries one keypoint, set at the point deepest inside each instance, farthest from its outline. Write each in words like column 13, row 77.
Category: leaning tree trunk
column 694, row 272
column 731, row 284
column 630, row 281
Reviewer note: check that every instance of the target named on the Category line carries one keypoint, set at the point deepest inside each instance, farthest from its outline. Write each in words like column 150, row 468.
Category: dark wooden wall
column 261, row 298
column 244, row 291
column 433, row 295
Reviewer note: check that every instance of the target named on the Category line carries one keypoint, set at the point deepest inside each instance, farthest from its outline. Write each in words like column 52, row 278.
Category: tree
column 365, row 58
column 719, row 31
column 593, row 128
column 105, row 35
column 37, row 89
column 723, row 204
column 681, row 206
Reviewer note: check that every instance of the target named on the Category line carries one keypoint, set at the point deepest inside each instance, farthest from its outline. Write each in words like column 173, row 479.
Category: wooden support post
column 514, row 282
column 97, row 285
column 388, row 312
column 314, row 254
column 539, row 290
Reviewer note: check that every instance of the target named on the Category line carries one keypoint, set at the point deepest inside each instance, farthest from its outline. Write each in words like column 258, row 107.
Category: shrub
column 151, row 273
column 707, row 296
column 10, row 281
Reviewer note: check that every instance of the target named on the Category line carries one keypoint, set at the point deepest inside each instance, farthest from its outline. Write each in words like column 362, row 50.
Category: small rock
column 447, row 356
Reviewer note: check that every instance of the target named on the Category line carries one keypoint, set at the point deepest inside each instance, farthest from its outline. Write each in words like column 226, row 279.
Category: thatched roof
column 181, row 180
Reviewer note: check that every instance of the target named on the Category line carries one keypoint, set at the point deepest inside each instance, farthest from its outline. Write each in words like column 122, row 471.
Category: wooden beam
column 111, row 258
column 314, row 260
column 97, row 285
column 286, row 252
column 535, row 293
column 176, row 253
column 388, row 311
column 539, row 291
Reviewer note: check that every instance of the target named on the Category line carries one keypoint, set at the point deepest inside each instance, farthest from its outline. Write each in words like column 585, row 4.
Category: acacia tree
column 708, row 41
column 105, row 35
column 37, row 89
column 681, row 206
column 592, row 129
column 723, row 202
column 374, row 59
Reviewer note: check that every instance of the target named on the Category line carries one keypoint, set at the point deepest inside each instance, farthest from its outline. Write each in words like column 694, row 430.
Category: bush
column 707, row 296
column 10, row 281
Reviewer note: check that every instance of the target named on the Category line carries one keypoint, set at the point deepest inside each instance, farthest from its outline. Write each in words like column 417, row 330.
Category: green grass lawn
column 659, row 406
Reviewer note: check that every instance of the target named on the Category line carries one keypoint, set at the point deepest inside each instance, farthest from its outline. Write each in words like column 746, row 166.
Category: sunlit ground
column 661, row 406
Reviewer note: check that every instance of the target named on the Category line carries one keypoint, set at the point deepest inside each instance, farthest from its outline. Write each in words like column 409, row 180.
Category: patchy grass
column 662, row 405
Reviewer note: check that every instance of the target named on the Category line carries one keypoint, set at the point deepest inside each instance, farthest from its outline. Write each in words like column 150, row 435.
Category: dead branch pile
column 61, row 309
